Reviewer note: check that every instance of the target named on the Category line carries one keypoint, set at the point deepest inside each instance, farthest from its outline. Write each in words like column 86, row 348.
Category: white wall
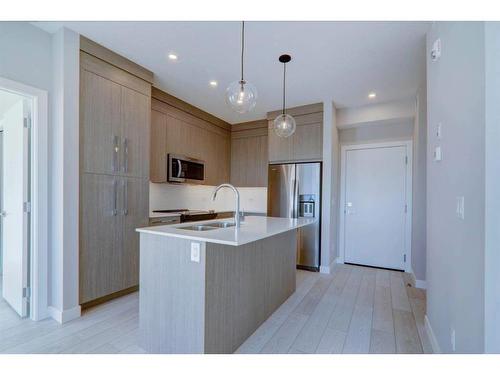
column 199, row 197
column 379, row 112
column 419, row 188
column 330, row 183
column 25, row 54
column 25, row 57
column 36, row 58
column 455, row 247
column 492, row 197
column 384, row 131
column 64, row 172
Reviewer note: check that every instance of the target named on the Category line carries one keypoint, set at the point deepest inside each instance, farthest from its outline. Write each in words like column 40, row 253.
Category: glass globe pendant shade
column 241, row 96
column 284, row 125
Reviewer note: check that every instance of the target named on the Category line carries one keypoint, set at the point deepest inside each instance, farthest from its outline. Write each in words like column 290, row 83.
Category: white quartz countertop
column 254, row 228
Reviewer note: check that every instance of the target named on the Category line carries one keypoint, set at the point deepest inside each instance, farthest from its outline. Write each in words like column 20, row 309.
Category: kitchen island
column 207, row 286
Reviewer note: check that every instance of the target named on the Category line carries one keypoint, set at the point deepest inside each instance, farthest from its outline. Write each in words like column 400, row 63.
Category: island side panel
column 244, row 286
column 171, row 296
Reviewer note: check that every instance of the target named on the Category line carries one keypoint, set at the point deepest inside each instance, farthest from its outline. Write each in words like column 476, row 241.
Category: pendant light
column 284, row 124
column 241, row 95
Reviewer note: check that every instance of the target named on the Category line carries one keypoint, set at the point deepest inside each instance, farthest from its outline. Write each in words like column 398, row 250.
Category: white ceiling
column 342, row 61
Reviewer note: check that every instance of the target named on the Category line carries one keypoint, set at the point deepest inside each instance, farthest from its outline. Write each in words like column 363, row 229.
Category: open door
column 15, row 219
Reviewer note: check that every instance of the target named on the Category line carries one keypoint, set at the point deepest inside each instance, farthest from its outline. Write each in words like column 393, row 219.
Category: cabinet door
column 99, row 271
column 135, row 115
column 249, row 161
column 158, row 151
column 280, row 149
column 100, row 103
column 134, row 213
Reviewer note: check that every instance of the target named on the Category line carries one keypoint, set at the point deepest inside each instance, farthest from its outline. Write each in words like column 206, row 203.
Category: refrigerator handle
column 296, row 198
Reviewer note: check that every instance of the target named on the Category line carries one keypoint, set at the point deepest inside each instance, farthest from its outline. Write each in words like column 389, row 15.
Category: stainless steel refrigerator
column 294, row 190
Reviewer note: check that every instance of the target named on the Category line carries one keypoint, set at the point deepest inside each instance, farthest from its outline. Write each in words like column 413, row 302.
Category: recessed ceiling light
column 172, row 56
column 213, row 83
column 372, row 95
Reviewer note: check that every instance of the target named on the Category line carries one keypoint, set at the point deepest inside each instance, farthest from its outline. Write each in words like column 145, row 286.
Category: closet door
column 100, row 118
column 100, row 227
column 135, row 118
column 134, row 209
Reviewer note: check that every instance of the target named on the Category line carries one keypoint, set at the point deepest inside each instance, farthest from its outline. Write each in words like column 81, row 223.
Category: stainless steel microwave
column 182, row 168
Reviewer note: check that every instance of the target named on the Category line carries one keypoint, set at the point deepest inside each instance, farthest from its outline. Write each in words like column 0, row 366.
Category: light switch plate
column 438, row 156
column 460, row 209
column 195, row 252
column 439, row 129
column 436, row 50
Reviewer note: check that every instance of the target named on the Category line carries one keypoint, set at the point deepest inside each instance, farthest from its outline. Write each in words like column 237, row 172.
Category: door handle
column 125, row 197
column 3, row 214
column 116, row 149
column 115, row 196
column 125, row 155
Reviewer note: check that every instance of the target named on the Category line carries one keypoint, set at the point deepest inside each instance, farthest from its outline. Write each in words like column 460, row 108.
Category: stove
column 191, row 215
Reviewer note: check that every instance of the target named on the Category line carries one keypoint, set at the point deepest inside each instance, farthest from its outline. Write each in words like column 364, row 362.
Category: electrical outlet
column 195, row 252
column 438, row 155
column 453, row 337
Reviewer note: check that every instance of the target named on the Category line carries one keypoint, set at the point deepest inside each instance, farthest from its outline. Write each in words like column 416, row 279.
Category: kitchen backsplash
column 199, row 197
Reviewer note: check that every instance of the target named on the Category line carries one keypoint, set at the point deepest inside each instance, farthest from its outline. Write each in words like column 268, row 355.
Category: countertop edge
column 258, row 237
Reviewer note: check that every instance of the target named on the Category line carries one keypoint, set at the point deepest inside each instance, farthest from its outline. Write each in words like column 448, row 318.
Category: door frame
column 409, row 197
column 39, row 196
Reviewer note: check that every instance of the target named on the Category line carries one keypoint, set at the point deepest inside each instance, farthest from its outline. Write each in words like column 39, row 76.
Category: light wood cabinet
column 249, row 154
column 100, row 123
column 99, row 233
column 175, row 131
column 114, row 121
column 115, row 110
column 306, row 144
column 135, row 133
column 134, row 193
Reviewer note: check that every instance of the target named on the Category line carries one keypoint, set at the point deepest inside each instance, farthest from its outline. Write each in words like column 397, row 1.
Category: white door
column 15, row 220
column 375, row 206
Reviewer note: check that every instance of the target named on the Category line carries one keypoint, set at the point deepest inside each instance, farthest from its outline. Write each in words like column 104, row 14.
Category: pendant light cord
column 284, row 86
column 242, row 46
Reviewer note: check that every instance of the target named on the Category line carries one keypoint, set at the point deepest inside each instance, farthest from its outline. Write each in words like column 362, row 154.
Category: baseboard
column 432, row 336
column 330, row 267
column 65, row 315
column 324, row 269
column 422, row 284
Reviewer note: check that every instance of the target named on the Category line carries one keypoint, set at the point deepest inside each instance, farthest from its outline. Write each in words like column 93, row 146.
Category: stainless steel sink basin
column 208, row 226
column 221, row 224
column 199, row 228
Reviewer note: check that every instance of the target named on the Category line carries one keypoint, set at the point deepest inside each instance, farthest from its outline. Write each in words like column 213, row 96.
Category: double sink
column 208, row 226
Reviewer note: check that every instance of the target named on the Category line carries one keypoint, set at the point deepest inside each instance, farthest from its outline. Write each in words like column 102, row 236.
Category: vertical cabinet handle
column 125, row 155
column 115, row 196
column 116, row 149
column 125, row 197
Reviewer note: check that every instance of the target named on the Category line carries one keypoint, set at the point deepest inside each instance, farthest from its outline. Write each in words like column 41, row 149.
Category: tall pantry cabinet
column 115, row 110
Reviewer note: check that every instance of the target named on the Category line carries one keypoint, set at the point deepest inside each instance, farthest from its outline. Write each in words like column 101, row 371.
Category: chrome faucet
column 237, row 211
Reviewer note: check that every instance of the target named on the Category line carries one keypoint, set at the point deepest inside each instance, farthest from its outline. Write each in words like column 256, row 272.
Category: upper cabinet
column 178, row 128
column 249, row 156
column 306, row 144
column 114, row 118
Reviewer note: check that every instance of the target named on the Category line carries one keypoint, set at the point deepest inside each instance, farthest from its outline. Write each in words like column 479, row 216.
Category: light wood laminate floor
column 353, row 310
